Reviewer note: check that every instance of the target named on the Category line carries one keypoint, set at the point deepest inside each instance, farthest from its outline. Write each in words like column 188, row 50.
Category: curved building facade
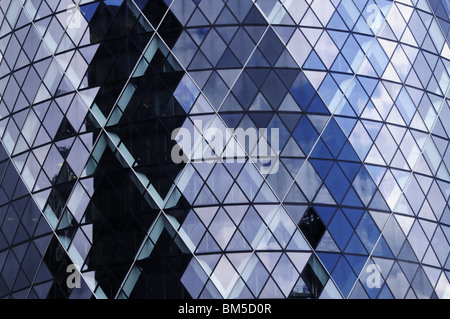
column 225, row 149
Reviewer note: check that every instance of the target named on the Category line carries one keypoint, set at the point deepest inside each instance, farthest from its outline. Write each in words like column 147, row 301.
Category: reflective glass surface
column 122, row 174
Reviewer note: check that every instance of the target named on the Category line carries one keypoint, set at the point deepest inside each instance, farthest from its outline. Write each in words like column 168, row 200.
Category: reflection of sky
column 186, row 93
column 89, row 10
column 390, row 190
column 361, row 140
column 446, row 4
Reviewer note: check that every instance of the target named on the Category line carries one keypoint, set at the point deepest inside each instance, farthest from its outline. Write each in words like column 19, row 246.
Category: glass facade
column 116, row 121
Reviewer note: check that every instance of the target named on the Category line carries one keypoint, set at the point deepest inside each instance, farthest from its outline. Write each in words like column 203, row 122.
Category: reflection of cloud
column 326, row 49
column 299, row 47
column 390, row 190
column 74, row 18
column 401, row 63
column 447, row 290
column 361, row 140
column 410, row 150
column 225, row 277
column 398, row 283
column 382, row 101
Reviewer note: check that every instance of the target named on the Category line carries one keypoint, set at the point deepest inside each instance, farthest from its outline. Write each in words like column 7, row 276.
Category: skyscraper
column 224, row 149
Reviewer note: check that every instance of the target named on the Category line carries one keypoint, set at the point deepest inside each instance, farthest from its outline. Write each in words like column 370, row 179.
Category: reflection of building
column 87, row 115
column 120, row 216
